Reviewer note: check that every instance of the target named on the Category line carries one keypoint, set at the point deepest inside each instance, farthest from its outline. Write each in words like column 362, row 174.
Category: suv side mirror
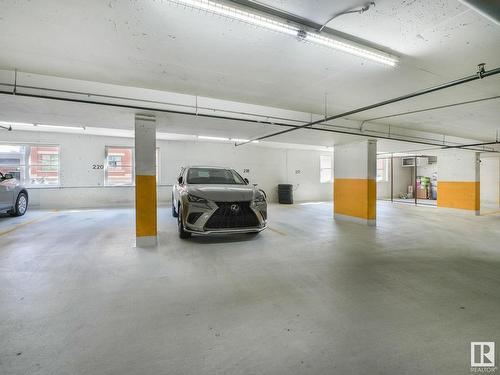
column 246, row 181
column 179, row 180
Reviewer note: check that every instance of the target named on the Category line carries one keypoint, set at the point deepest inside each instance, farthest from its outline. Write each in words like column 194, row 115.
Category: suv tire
column 182, row 233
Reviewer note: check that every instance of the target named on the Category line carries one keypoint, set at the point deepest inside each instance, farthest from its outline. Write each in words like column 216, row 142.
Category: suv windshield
column 214, row 176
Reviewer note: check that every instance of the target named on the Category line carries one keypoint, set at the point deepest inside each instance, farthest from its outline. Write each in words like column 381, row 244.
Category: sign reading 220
column 97, row 166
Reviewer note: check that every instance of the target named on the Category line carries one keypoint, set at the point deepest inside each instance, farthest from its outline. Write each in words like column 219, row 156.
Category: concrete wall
column 458, row 180
column 82, row 186
column 355, row 192
column 457, row 165
column 490, row 180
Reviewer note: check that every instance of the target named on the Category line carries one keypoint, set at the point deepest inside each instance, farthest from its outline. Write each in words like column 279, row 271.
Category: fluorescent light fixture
column 64, row 129
column 351, row 48
column 7, row 124
column 110, row 132
column 213, row 138
column 289, row 29
column 210, row 138
column 237, row 14
column 9, row 148
column 45, row 127
column 239, row 140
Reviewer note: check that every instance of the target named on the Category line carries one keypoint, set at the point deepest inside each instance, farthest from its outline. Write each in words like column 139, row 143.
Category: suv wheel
column 21, row 205
column 182, row 233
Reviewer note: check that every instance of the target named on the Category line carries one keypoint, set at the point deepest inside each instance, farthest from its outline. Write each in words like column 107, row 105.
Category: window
column 382, row 170
column 119, row 166
column 214, row 176
column 44, row 165
column 119, row 170
column 325, row 168
column 31, row 165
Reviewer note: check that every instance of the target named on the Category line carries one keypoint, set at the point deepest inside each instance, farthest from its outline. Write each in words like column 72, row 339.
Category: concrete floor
column 307, row 296
column 428, row 202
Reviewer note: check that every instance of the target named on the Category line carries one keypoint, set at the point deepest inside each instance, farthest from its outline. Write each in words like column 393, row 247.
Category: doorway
column 407, row 179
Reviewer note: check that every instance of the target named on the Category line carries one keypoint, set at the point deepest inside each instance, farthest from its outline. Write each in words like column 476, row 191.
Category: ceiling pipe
column 194, row 107
column 431, row 108
column 362, row 126
column 480, row 74
column 267, row 121
column 373, row 133
column 197, row 108
column 473, row 145
column 262, row 122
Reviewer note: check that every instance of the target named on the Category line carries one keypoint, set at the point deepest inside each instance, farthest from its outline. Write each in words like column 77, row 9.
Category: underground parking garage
column 239, row 187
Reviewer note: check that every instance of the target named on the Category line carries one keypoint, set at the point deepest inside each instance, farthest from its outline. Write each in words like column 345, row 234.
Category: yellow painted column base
column 459, row 194
column 355, row 200
column 145, row 210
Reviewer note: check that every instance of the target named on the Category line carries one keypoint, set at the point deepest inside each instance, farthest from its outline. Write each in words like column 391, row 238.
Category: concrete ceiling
column 155, row 44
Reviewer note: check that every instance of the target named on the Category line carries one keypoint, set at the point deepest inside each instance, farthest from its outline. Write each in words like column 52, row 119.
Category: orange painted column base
column 145, row 204
column 459, row 194
column 355, row 200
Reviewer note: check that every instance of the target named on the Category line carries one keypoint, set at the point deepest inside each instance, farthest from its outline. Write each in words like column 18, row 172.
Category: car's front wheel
column 21, row 205
column 182, row 233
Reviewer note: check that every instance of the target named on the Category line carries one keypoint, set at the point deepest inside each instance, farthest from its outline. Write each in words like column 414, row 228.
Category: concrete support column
column 355, row 184
column 459, row 180
column 145, row 181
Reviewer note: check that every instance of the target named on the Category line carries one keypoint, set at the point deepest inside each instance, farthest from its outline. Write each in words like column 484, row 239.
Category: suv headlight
column 195, row 199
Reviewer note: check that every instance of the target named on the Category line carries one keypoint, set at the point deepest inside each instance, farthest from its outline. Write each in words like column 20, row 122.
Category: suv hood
column 225, row 193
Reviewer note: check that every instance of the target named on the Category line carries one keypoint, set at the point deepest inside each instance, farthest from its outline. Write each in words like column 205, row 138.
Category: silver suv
column 13, row 196
column 215, row 200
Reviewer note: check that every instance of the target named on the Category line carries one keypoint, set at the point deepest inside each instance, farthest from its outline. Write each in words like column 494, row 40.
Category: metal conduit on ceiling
column 306, row 126
column 480, row 74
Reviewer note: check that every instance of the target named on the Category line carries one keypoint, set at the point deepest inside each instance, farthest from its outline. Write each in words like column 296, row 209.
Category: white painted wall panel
column 460, row 166
column 82, row 186
column 356, row 160
column 490, row 180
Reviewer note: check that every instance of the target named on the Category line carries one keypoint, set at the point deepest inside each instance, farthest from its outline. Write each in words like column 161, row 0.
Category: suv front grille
column 232, row 215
